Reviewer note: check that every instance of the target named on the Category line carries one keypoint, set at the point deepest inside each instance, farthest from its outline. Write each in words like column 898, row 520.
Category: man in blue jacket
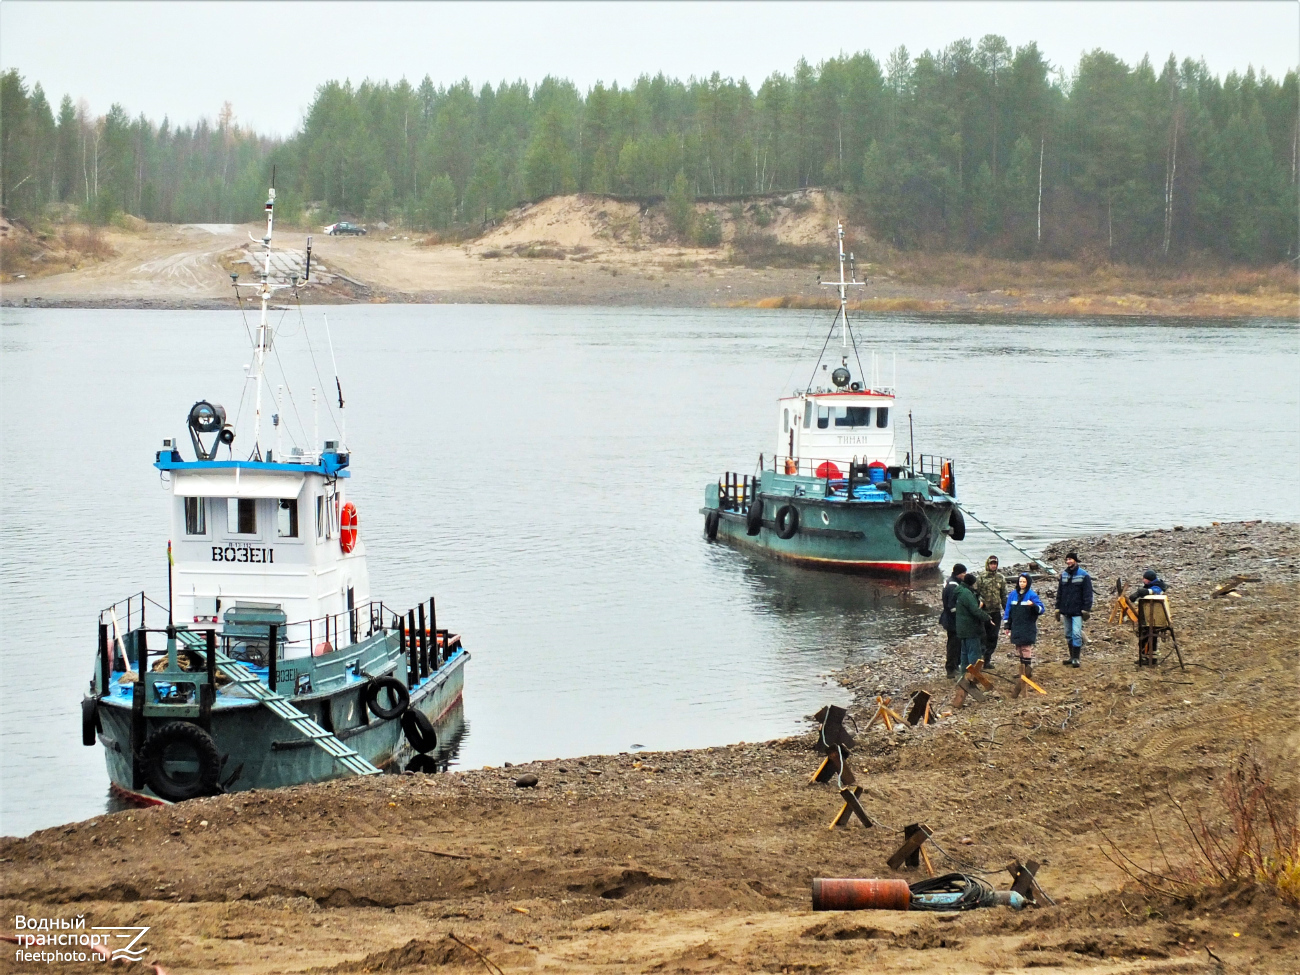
column 1074, row 604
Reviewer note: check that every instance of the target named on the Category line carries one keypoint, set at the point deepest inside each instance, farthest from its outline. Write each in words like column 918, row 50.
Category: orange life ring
column 945, row 479
column 348, row 527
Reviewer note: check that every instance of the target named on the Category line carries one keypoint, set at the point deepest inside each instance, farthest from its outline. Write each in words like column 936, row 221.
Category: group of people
column 977, row 607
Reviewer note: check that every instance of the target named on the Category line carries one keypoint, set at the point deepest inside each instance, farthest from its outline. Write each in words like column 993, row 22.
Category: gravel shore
column 701, row 861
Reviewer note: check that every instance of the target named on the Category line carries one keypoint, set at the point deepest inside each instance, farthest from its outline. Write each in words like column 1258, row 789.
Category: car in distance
column 343, row 227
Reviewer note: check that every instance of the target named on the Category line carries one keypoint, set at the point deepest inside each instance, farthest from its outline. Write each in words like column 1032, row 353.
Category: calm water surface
column 540, row 470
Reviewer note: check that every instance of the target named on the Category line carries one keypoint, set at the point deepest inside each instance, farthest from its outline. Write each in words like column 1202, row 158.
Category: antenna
column 343, row 423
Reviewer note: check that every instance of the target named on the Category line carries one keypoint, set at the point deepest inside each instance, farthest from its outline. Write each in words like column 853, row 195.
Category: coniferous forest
column 976, row 148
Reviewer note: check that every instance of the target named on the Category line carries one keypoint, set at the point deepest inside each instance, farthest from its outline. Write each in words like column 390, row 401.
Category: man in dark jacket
column 948, row 620
column 1074, row 604
column 1151, row 586
column 971, row 621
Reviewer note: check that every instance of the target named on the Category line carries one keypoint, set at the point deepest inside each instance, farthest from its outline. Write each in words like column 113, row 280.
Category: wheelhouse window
column 196, row 516
column 325, row 518
column 785, row 421
column 241, row 516
column 882, row 417
column 824, row 416
column 807, row 414
column 854, row 416
column 287, row 518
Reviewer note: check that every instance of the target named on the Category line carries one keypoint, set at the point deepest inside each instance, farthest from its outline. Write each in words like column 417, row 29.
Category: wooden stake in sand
column 971, row 683
column 852, row 807
column 913, row 849
column 885, row 714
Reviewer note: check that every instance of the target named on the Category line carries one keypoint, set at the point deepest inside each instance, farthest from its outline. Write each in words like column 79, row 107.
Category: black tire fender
column 90, row 723
column 419, row 730
column 912, row 528
column 711, row 521
column 787, row 521
column 956, row 524
column 181, row 742
column 396, row 689
column 754, row 517
column 424, row 764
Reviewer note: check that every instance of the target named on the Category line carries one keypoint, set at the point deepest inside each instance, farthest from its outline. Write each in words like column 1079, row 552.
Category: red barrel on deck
column 860, row 895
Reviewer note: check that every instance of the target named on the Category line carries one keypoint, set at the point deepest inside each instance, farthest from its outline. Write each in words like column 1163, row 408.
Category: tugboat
column 836, row 496
column 271, row 664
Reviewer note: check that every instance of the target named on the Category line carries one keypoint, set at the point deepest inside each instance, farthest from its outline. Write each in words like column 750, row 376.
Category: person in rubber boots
column 991, row 587
column 1023, row 607
column 970, row 621
column 947, row 619
column 1073, row 604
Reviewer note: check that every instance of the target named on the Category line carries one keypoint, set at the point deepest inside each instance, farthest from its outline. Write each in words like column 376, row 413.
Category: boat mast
column 844, row 294
column 263, row 329
column 843, row 315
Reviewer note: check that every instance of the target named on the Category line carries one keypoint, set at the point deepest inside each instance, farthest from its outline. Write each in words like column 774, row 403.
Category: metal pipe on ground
column 852, row 894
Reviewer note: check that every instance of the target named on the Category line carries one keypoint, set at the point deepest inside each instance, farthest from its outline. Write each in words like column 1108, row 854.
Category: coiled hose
column 951, row 892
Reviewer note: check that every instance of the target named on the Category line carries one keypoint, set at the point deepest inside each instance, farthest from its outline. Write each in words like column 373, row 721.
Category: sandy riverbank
column 701, row 861
column 596, row 251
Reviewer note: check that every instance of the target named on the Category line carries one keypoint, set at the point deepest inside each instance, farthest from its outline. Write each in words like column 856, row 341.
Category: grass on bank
column 28, row 252
column 974, row 273
column 1250, row 833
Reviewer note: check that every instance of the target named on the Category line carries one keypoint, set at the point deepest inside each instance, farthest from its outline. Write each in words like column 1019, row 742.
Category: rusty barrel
column 852, row 894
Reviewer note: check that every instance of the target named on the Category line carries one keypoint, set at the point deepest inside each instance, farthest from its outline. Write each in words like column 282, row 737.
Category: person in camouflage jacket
column 991, row 588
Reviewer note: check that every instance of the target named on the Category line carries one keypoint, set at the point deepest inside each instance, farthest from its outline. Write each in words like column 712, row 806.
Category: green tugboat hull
column 829, row 531
column 260, row 750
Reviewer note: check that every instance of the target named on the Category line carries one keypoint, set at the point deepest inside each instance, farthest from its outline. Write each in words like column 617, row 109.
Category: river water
column 540, row 471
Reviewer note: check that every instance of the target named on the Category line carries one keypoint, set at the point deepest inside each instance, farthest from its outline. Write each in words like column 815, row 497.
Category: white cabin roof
column 236, row 484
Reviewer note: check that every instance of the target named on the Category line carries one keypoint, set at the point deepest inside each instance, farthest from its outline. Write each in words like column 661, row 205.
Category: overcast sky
column 182, row 60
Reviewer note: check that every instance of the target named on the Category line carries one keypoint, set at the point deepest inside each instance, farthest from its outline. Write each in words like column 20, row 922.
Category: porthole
column 826, row 519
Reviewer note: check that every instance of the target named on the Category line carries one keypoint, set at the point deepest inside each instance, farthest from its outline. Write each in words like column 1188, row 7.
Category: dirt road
column 581, row 250
column 701, row 861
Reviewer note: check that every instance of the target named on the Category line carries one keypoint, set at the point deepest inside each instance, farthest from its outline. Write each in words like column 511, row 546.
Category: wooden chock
column 826, row 770
column 1025, row 679
column 835, row 766
column 832, row 734
column 959, row 696
column 852, row 807
column 910, row 852
column 975, row 673
column 1022, row 878
column 885, row 714
column 1121, row 610
column 918, row 709
column 929, row 867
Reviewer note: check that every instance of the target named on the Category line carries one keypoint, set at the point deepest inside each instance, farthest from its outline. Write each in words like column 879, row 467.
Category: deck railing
column 424, row 646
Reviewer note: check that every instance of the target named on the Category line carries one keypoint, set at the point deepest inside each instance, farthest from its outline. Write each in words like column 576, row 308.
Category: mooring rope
column 1029, row 555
